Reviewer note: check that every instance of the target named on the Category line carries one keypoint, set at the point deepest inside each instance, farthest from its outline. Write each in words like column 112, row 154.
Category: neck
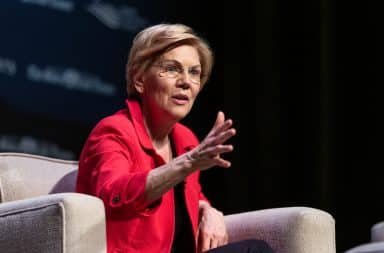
column 158, row 129
column 163, row 148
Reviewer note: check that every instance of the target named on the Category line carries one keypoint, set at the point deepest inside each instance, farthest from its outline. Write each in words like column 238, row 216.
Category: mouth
column 180, row 99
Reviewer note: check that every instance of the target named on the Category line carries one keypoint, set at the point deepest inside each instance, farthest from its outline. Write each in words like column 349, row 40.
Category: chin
column 180, row 113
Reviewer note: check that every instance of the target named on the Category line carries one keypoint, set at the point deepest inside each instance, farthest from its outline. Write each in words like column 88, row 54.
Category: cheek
column 161, row 91
column 155, row 86
column 195, row 91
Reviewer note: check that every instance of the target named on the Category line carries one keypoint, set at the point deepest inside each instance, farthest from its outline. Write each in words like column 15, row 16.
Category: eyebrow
column 178, row 63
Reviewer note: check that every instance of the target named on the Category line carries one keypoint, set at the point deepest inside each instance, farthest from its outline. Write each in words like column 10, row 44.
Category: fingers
column 221, row 131
column 221, row 124
column 205, row 243
column 223, row 136
column 207, row 153
column 213, row 243
column 223, row 241
column 210, row 156
column 209, row 241
column 219, row 119
column 221, row 162
column 212, row 231
column 210, row 152
column 219, row 241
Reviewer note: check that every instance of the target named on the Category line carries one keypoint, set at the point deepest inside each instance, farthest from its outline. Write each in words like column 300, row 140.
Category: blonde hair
column 155, row 40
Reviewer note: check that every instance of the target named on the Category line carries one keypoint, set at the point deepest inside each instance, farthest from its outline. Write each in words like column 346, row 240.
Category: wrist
column 182, row 166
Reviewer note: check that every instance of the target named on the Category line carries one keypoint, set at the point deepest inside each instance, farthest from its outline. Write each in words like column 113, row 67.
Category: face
column 170, row 86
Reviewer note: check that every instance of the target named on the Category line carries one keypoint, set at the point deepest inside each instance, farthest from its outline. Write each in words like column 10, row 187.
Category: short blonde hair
column 155, row 40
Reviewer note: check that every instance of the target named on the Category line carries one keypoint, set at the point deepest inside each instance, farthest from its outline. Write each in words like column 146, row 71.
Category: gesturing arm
column 204, row 156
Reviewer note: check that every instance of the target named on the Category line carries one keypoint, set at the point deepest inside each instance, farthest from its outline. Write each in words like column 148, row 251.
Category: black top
column 183, row 241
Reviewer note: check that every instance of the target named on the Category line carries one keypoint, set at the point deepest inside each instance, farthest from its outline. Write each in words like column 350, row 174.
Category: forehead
column 185, row 54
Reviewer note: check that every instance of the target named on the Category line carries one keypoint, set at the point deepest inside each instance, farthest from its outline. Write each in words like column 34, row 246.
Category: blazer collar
column 134, row 109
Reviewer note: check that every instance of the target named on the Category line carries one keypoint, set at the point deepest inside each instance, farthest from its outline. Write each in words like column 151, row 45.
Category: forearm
column 163, row 178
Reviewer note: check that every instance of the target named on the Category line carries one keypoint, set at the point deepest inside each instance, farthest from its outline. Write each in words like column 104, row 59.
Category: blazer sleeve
column 107, row 168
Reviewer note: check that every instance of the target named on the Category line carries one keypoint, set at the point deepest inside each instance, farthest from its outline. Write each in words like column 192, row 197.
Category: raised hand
column 207, row 154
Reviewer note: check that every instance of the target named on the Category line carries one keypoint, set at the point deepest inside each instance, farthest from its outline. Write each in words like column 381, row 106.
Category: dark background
column 299, row 79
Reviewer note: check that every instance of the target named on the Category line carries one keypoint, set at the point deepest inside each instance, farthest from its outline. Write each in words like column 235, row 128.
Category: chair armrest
column 377, row 232
column 287, row 230
column 63, row 222
column 376, row 244
column 371, row 247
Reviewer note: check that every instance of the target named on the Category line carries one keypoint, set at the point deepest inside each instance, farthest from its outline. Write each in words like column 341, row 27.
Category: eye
column 195, row 72
column 171, row 68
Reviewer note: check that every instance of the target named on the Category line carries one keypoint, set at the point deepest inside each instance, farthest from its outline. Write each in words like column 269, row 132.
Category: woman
column 145, row 165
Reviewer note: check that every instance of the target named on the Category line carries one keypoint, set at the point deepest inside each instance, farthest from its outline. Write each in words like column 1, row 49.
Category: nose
column 184, row 80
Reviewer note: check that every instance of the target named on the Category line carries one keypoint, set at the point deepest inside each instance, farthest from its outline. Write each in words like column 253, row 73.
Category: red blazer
column 113, row 166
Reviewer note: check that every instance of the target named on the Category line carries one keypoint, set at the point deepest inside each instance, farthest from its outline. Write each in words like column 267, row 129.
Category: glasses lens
column 172, row 70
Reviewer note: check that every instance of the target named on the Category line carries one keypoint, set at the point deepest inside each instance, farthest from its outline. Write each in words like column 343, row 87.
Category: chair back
column 26, row 175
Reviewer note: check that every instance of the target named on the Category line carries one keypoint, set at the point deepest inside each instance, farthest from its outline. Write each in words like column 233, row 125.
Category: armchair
column 40, row 212
column 376, row 245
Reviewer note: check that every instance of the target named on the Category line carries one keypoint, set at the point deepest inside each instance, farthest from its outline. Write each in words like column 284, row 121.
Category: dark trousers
column 246, row 246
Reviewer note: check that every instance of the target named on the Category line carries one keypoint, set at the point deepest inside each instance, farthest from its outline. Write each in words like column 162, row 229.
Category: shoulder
column 114, row 132
column 117, row 123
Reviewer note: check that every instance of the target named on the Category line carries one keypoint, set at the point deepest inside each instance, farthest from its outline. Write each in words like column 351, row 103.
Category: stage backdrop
column 62, row 67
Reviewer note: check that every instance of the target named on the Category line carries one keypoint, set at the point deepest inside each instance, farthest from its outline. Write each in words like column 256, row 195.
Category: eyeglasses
column 173, row 69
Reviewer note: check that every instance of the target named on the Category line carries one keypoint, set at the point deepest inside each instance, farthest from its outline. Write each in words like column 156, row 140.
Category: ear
column 138, row 82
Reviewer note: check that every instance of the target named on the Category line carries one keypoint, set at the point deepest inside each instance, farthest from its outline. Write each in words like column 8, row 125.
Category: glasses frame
column 180, row 70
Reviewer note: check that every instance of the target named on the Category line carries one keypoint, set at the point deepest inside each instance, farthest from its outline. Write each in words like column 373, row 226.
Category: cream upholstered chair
column 376, row 245
column 39, row 212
